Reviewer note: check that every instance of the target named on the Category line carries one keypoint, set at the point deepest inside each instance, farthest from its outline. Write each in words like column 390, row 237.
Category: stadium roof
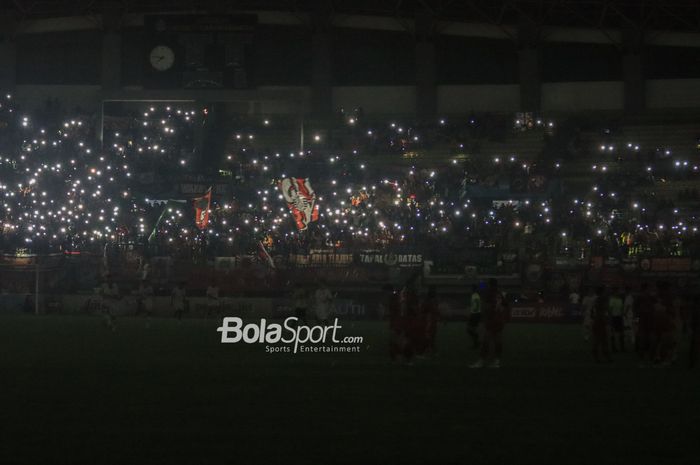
column 680, row 15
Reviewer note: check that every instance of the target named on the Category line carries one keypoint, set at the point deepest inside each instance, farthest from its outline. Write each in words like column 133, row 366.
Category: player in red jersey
column 397, row 338
column 429, row 319
column 663, row 326
column 410, row 319
column 644, row 306
column 495, row 315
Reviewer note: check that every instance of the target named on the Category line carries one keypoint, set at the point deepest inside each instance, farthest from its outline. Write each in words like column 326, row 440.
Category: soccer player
column 177, row 300
column 397, row 337
column 141, row 298
column 300, row 302
column 644, row 304
column 587, row 308
column 661, row 324
column 615, row 307
column 213, row 303
column 474, row 316
column 110, row 298
column 145, row 271
column 114, row 291
column 574, row 300
column 323, row 302
column 600, row 321
column 430, row 314
column 146, row 294
column 495, row 316
column 676, row 316
column 409, row 317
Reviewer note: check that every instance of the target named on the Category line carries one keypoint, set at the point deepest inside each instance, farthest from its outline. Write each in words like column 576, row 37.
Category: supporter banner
column 346, row 308
column 301, row 200
column 321, row 259
column 565, row 263
column 329, row 258
column 545, row 312
column 298, row 260
column 442, row 268
column 507, row 203
column 365, row 305
column 390, row 259
column 21, row 258
column 332, row 258
column 656, row 265
column 666, row 265
column 229, row 263
column 198, row 188
column 371, row 306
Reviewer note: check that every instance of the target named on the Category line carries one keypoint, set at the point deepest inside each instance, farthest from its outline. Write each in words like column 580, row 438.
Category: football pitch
column 73, row 392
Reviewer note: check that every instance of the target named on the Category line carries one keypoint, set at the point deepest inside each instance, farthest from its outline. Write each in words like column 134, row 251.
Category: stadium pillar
column 426, row 88
column 529, row 66
column 200, row 132
column 321, row 71
column 633, row 70
column 111, row 48
column 8, row 53
column 211, row 138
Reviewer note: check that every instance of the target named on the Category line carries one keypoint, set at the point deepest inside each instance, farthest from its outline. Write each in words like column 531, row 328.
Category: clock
column 162, row 57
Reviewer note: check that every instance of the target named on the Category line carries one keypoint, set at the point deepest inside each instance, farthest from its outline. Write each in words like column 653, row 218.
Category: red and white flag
column 201, row 209
column 301, row 200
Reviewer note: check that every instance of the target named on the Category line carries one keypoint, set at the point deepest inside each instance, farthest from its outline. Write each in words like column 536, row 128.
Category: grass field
column 75, row 393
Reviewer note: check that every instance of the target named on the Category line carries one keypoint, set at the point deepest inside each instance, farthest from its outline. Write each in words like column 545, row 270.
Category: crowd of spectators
column 390, row 186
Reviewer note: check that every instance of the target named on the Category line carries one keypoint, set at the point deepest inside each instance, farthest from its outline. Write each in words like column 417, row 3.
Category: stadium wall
column 582, row 96
column 401, row 100
column 464, row 99
column 673, row 93
column 370, row 62
column 346, row 307
column 86, row 97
